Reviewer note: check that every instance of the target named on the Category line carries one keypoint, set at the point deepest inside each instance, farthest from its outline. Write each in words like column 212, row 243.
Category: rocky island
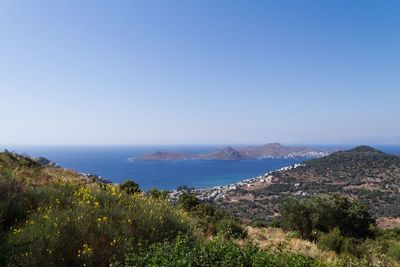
column 272, row 150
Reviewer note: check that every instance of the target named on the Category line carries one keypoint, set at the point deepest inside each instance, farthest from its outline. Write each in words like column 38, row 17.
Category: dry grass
column 388, row 222
column 60, row 175
column 274, row 239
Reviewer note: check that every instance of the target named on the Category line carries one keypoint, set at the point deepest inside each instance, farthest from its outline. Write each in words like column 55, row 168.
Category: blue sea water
column 111, row 162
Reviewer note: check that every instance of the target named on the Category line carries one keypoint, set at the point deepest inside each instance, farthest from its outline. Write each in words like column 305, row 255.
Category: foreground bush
column 186, row 251
column 310, row 216
column 92, row 226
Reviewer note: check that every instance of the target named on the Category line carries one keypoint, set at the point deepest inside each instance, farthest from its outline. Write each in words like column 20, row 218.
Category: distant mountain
column 363, row 172
column 273, row 150
column 227, row 153
column 163, row 155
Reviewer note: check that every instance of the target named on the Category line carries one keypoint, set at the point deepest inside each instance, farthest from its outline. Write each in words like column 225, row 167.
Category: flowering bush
column 91, row 226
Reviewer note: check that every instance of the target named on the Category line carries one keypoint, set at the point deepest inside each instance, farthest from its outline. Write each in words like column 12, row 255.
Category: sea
column 112, row 163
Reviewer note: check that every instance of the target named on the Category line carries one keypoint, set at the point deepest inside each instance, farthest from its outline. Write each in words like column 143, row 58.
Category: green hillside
column 55, row 217
column 362, row 173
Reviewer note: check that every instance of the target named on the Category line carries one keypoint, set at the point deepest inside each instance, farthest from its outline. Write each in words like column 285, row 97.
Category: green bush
column 323, row 213
column 130, row 187
column 92, row 226
column 331, row 241
column 187, row 251
column 259, row 223
column 394, row 250
column 17, row 204
column 209, row 212
column 188, row 201
column 230, row 228
column 155, row 193
column 276, row 223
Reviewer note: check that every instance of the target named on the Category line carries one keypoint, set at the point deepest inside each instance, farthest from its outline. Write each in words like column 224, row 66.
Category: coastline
column 218, row 192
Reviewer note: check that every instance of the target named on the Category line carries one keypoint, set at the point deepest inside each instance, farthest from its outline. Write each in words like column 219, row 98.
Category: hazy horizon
column 205, row 72
column 349, row 143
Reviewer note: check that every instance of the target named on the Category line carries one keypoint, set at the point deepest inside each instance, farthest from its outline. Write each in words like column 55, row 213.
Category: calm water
column 112, row 163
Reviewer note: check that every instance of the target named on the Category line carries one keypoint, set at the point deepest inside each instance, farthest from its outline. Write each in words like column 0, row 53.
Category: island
column 271, row 150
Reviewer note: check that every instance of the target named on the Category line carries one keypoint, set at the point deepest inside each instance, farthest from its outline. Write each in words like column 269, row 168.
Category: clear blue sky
column 198, row 72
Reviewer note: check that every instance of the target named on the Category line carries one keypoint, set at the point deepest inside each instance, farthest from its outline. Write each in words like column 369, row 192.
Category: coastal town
column 219, row 192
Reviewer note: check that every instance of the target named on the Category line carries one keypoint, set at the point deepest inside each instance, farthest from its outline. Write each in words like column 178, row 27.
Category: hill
column 280, row 151
column 162, row 155
column 227, row 153
column 40, row 171
column 359, row 165
column 362, row 173
column 272, row 150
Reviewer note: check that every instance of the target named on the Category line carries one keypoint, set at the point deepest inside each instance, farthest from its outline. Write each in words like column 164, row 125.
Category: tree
column 130, row 187
column 311, row 216
column 297, row 215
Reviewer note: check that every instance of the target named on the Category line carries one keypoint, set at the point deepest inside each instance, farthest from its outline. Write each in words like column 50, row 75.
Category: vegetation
column 155, row 193
column 363, row 173
column 130, row 187
column 324, row 213
column 209, row 219
column 91, row 226
column 46, row 220
column 184, row 251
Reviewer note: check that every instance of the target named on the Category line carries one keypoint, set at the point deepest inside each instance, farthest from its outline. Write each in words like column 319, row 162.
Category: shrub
column 209, row 212
column 187, row 251
column 230, row 228
column 394, row 250
column 297, row 216
column 91, row 226
column 187, row 201
column 155, row 193
column 259, row 223
column 17, row 204
column 276, row 223
column 130, row 187
column 331, row 241
column 206, row 216
column 323, row 213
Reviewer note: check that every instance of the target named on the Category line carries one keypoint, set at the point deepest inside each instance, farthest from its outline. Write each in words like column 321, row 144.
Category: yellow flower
column 85, row 251
column 17, row 231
